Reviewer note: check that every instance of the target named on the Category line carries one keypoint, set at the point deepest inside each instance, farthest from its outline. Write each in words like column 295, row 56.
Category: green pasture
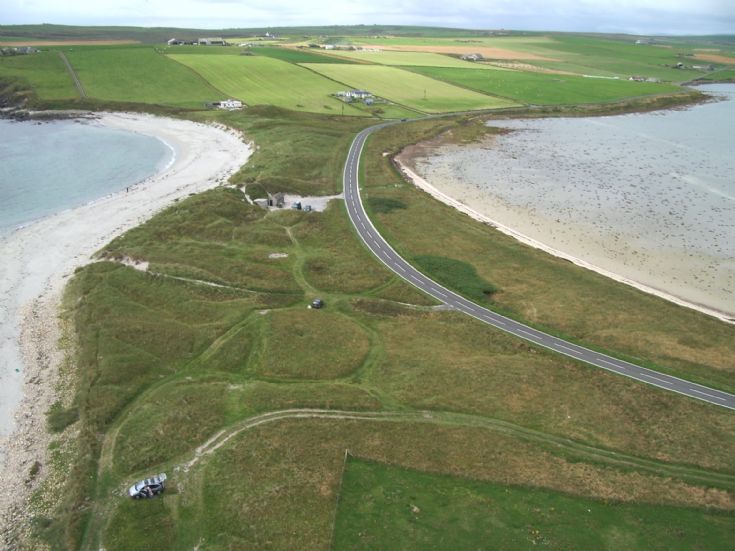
column 385, row 507
column 530, row 43
column 293, row 55
column 259, row 80
column 545, row 89
column 44, row 72
column 620, row 57
column 409, row 89
column 416, row 59
column 139, row 75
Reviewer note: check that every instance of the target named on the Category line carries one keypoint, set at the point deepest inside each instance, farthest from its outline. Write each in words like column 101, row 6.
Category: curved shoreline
column 424, row 185
column 42, row 255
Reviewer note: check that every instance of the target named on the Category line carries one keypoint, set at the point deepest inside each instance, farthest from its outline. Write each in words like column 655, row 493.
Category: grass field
column 292, row 55
column 410, row 89
column 44, row 72
column 415, row 59
column 267, row 81
column 391, row 508
column 545, row 89
column 139, row 75
column 624, row 58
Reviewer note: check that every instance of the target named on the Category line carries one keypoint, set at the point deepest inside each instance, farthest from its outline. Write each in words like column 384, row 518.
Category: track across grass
column 139, row 75
column 410, row 89
column 260, row 80
column 545, row 89
column 45, row 72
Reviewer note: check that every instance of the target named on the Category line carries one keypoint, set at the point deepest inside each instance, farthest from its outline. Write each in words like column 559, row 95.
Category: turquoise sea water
column 52, row 166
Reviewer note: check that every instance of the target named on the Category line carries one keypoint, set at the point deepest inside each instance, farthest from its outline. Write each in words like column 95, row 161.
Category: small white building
column 230, row 104
column 354, row 94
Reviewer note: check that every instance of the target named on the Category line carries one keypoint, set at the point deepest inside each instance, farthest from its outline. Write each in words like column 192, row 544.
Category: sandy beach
column 39, row 258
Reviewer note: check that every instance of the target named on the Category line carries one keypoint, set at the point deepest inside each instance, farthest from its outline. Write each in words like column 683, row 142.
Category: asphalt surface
column 380, row 248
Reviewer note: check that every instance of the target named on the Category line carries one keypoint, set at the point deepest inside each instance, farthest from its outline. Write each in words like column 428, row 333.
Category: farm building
column 230, row 104
column 174, row 42
column 276, row 200
column 354, row 94
column 473, row 57
column 212, row 42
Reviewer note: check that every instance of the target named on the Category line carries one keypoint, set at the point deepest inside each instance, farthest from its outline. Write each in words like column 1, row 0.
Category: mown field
column 410, row 89
column 139, row 75
column 416, row 59
column 545, row 89
column 44, row 73
column 389, row 508
column 269, row 81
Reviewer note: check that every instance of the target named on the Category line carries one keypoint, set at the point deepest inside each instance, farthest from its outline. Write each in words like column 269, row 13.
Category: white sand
column 480, row 212
column 38, row 260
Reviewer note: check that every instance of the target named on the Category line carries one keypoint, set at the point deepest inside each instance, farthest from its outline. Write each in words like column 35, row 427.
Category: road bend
column 388, row 256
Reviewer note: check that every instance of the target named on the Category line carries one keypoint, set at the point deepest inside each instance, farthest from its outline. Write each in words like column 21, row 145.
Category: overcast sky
column 637, row 17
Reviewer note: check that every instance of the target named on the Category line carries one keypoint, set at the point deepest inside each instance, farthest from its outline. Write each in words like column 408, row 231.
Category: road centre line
column 706, row 394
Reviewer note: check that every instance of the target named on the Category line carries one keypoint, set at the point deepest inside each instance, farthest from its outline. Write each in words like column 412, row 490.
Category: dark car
column 317, row 303
column 148, row 487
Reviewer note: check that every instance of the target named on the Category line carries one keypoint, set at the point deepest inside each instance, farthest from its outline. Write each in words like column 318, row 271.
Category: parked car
column 148, row 487
column 317, row 303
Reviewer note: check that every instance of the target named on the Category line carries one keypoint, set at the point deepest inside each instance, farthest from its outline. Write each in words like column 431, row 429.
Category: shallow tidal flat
column 649, row 197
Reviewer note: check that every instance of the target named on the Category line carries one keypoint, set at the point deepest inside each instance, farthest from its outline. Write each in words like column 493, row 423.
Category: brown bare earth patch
column 68, row 42
column 487, row 51
column 716, row 58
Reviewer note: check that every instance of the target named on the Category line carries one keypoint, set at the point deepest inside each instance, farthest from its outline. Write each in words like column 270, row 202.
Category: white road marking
column 567, row 348
column 705, row 394
column 656, row 378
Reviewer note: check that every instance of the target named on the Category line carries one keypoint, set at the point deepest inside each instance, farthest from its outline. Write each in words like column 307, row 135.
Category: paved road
column 380, row 248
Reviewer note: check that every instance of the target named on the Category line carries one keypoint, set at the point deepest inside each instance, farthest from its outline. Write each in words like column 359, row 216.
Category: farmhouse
column 354, row 94
column 230, row 104
column 174, row 42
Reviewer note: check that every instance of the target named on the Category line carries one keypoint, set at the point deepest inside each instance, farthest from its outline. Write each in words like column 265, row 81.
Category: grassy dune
column 461, row 398
column 261, row 80
column 410, row 89
column 552, row 293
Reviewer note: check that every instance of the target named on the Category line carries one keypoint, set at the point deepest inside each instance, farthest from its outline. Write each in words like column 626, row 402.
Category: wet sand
column 659, row 218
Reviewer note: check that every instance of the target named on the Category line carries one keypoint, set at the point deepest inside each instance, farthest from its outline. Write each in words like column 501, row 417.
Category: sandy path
column 38, row 260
